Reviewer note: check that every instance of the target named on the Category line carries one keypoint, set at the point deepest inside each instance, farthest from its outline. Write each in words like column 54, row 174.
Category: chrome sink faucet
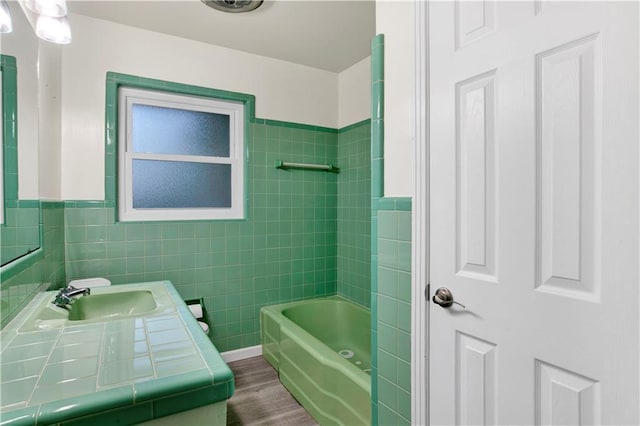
column 66, row 295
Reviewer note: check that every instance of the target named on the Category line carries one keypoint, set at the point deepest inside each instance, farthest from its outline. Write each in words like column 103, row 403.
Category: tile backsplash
column 41, row 270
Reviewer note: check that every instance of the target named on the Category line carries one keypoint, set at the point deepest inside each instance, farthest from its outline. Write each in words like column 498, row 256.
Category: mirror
column 20, row 232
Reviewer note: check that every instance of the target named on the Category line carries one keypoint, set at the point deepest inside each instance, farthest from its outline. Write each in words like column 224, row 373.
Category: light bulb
column 51, row 8
column 55, row 30
column 5, row 18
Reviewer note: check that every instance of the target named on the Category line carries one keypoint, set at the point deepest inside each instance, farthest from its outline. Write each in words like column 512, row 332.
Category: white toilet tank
column 90, row 282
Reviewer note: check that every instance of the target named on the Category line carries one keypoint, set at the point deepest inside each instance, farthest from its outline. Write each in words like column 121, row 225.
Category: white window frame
column 127, row 96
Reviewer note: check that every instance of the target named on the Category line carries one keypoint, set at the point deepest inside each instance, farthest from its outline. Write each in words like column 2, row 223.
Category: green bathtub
column 321, row 349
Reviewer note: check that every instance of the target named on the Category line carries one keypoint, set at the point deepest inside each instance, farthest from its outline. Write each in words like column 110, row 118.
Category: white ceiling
column 330, row 35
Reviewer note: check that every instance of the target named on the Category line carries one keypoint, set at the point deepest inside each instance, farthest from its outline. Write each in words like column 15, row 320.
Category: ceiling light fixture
column 55, row 30
column 50, row 18
column 233, row 6
column 5, row 18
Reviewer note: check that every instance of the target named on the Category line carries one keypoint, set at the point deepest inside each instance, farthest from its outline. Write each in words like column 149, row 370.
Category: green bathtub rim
column 313, row 300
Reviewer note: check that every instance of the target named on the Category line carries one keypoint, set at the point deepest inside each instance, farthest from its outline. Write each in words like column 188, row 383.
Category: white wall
column 284, row 91
column 49, row 81
column 395, row 19
column 354, row 93
column 22, row 43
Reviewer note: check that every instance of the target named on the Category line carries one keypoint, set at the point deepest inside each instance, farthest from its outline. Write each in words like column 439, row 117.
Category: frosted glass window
column 174, row 184
column 181, row 157
column 177, row 131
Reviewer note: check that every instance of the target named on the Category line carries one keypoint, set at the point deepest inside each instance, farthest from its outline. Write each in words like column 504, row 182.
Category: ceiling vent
column 233, row 6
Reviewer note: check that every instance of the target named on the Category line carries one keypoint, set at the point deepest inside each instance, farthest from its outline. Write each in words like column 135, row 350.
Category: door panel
column 534, row 212
column 568, row 101
column 475, row 169
column 565, row 398
column 474, row 20
column 475, row 380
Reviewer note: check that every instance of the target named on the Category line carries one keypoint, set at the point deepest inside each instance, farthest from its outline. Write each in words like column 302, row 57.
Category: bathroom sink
column 112, row 305
column 103, row 304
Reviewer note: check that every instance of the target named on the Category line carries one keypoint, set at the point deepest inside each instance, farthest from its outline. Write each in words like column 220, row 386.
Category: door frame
column 420, row 225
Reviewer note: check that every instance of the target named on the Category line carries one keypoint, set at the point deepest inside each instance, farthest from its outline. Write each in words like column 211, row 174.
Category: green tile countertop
column 127, row 370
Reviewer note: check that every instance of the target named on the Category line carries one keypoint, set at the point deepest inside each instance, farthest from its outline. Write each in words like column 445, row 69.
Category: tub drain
column 346, row 353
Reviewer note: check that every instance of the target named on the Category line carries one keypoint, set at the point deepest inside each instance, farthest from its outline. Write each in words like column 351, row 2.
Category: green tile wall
column 42, row 270
column 394, row 317
column 54, row 249
column 21, row 232
column 354, row 213
column 284, row 251
column 390, row 274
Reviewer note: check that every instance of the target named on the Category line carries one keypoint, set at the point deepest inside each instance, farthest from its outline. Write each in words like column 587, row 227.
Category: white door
column 534, row 212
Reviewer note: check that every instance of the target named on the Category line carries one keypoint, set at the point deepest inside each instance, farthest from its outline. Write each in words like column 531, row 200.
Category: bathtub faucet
column 66, row 295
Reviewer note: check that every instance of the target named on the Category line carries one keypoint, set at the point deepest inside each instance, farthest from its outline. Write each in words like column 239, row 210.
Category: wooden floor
column 260, row 398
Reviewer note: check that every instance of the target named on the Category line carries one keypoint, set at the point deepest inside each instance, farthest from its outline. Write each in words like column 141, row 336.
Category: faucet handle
column 61, row 300
column 69, row 289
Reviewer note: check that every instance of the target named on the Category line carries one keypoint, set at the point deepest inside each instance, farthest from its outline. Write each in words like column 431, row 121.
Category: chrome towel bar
column 287, row 165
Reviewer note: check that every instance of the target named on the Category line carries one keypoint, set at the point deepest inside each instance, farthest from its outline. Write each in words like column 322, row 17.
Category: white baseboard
column 243, row 353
